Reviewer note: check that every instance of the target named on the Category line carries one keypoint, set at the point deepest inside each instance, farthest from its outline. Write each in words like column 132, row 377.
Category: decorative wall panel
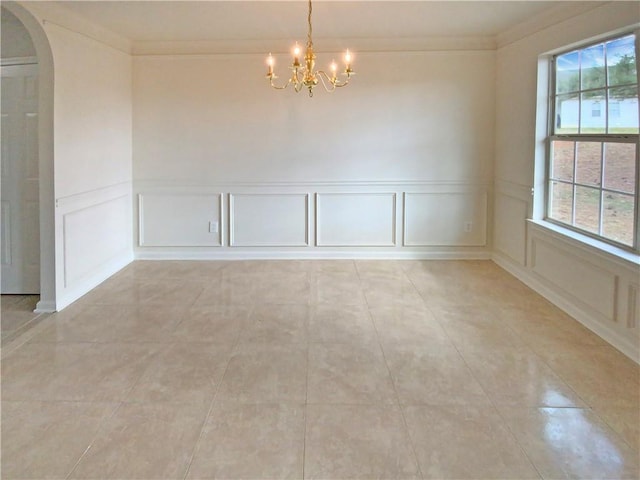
column 510, row 227
column 584, row 281
column 355, row 219
column 95, row 235
column 445, row 219
column 268, row 219
column 180, row 220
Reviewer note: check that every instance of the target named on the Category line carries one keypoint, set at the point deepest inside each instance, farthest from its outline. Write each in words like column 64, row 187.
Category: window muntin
column 592, row 169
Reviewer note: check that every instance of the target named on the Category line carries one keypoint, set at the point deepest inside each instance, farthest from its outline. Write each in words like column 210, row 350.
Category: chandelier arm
column 324, row 78
column 343, row 84
column 296, row 80
column 336, row 83
column 278, row 87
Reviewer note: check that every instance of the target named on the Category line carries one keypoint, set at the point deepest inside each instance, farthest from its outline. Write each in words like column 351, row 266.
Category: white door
column 20, row 211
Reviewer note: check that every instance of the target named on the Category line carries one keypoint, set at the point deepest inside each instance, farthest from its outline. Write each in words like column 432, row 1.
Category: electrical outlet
column 213, row 227
column 468, row 226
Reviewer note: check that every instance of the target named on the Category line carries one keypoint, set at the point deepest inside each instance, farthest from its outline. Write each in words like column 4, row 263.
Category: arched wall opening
column 44, row 55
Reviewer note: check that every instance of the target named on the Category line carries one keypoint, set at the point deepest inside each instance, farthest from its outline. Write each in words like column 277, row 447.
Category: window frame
column 590, row 137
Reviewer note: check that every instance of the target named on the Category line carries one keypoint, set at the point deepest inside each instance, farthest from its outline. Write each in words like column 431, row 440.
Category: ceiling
column 202, row 21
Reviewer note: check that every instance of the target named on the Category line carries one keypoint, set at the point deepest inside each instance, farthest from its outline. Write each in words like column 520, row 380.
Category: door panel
column 20, row 180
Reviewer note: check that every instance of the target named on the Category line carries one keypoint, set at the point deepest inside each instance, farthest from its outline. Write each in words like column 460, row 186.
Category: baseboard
column 45, row 306
column 242, row 254
column 86, row 284
column 618, row 341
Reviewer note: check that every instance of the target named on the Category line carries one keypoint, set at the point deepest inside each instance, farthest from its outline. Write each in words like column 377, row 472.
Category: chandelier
column 305, row 75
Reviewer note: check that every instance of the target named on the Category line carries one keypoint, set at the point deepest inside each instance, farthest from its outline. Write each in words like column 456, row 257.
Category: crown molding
column 56, row 15
column 543, row 20
column 323, row 45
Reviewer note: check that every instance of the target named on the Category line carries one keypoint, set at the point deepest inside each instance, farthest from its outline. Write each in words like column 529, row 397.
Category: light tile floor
column 17, row 315
column 317, row 369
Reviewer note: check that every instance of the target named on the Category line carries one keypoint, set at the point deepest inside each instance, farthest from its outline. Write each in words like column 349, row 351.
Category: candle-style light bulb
column 334, row 69
column 348, row 58
column 270, row 63
column 296, row 55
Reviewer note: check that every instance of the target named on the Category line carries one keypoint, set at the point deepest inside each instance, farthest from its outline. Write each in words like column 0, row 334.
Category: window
column 592, row 169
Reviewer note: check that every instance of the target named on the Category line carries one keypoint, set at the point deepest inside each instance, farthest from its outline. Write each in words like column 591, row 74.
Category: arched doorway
column 45, row 167
column 20, row 178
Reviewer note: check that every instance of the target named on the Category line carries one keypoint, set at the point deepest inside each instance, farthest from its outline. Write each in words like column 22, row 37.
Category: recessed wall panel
column 180, row 220
column 94, row 235
column 355, row 219
column 445, row 219
column 269, row 219
column 510, row 227
column 31, row 157
column 6, row 232
column 633, row 312
column 583, row 280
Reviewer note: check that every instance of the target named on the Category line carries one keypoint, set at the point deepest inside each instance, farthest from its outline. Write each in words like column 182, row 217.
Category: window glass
column 561, row 201
column 621, row 62
column 563, row 157
column 626, row 104
column 592, row 71
column 588, row 163
column 591, row 103
column 617, row 217
column 568, row 72
column 614, row 112
column 620, row 167
column 593, row 154
column 587, row 206
column 567, row 113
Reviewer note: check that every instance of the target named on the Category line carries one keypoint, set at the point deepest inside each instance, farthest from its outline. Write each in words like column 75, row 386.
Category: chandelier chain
column 309, row 41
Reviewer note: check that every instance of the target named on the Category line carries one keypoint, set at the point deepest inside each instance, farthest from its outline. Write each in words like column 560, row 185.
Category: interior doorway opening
column 27, row 211
column 19, row 173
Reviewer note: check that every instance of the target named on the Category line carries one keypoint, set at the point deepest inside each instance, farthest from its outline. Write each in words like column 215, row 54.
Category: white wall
column 353, row 173
column 92, row 153
column 597, row 288
column 93, row 161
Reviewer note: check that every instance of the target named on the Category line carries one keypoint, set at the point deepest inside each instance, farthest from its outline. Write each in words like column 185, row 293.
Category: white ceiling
column 198, row 21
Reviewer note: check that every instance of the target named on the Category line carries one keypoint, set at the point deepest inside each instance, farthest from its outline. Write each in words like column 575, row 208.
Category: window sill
column 589, row 243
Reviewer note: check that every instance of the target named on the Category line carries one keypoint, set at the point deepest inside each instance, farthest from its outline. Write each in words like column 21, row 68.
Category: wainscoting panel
column 597, row 288
column 567, row 273
column 355, row 219
column 92, row 236
column 31, row 241
column 180, row 220
column 31, row 148
column 510, row 226
column 268, row 219
column 5, row 208
column 94, row 229
column 445, row 219
column 306, row 220
column 632, row 316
